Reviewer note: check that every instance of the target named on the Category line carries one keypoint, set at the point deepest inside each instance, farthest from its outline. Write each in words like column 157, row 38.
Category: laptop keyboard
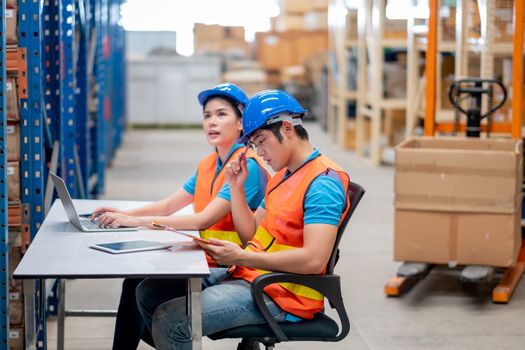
column 89, row 224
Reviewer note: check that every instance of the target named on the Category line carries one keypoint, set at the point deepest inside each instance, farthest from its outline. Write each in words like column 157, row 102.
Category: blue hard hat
column 266, row 105
column 229, row 90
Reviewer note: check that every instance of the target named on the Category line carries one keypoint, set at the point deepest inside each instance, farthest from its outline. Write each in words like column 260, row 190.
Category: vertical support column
column 81, row 100
column 31, row 133
column 487, row 8
column 362, row 45
column 30, row 326
column 342, row 83
column 377, row 61
column 461, row 59
column 50, row 73
column 67, row 97
column 4, row 273
column 517, row 69
column 194, row 298
column 101, row 25
column 430, row 71
column 412, row 76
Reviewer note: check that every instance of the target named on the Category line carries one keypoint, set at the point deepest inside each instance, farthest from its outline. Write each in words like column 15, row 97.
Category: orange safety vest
column 282, row 229
column 207, row 186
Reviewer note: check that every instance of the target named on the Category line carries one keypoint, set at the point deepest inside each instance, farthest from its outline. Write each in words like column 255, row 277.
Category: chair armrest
column 328, row 285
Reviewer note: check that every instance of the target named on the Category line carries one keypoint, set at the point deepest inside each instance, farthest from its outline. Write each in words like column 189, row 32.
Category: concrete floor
column 439, row 313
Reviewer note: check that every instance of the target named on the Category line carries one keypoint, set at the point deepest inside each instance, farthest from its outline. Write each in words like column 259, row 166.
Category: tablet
column 131, row 246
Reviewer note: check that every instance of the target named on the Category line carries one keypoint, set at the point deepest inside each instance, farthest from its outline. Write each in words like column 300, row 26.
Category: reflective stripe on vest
column 282, row 229
column 207, row 186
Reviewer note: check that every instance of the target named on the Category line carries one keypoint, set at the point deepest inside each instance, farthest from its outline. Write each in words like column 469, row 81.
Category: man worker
column 293, row 230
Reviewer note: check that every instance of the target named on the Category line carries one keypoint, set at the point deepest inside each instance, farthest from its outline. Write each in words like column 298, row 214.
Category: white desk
column 59, row 250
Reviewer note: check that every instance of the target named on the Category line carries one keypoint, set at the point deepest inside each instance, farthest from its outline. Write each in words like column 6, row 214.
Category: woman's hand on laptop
column 114, row 219
column 101, row 210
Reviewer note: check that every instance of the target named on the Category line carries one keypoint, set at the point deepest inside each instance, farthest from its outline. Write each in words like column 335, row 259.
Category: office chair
column 321, row 327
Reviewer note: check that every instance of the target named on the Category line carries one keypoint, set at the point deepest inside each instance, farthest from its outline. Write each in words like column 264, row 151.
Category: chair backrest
column 355, row 193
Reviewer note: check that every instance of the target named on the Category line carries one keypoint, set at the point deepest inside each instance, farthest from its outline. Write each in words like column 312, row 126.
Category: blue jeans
column 225, row 302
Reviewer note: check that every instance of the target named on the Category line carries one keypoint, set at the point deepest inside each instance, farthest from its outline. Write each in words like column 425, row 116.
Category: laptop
column 82, row 223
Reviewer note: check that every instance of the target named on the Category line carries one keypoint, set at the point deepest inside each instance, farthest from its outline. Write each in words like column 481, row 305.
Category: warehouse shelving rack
column 344, row 21
column 3, row 189
column 462, row 47
column 368, row 43
column 417, row 44
column 371, row 103
column 503, row 291
column 68, row 73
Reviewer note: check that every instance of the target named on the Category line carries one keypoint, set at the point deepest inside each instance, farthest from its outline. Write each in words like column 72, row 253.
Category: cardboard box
column 290, row 22
column 278, row 50
column 395, row 29
column 219, row 39
column 351, row 24
column 457, row 238
column 350, row 137
column 503, row 21
column 315, row 20
column 295, row 6
column 11, row 27
column 13, row 181
column 16, row 306
column 458, row 201
column 212, row 32
column 16, row 338
column 13, row 140
column 12, row 99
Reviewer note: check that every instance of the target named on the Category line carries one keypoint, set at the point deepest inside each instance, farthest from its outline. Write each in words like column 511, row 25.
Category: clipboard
column 158, row 225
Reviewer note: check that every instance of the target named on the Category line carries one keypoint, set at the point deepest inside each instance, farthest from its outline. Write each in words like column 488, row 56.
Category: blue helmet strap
column 293, row 119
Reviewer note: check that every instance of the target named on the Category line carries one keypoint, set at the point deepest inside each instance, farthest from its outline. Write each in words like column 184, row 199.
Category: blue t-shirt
column 325, row 199
column 254, row 187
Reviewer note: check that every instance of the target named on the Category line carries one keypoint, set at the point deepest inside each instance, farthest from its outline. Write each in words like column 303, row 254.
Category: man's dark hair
column 275, row 129
column 234, row 104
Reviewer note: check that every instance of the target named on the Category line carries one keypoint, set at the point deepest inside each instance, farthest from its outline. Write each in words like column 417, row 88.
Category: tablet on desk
column 131, row 246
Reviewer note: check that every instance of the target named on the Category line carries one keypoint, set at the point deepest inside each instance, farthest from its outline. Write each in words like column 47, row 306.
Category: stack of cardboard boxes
column 18, row 235
column 458, row 201
column 299, row 32
column 217, row 39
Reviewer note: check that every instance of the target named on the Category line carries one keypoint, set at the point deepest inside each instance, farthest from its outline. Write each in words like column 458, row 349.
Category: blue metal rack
column 4, row 315
column 82, row 31
column 67, row 95
column 100, row 74
column 31, row 134
column 73, row 73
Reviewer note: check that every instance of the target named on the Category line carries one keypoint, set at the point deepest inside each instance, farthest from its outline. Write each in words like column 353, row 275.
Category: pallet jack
column 470, row 92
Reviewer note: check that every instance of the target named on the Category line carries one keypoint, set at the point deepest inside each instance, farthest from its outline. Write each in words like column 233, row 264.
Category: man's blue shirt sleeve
column 325, row 201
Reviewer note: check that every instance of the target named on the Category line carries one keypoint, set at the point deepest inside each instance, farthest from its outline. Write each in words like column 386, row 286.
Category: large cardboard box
column 13, row 140
column 458, row 201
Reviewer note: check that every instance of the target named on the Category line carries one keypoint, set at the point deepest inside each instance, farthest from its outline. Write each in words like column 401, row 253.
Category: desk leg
column 194, row 301
column 29, row 314
column 61, row 314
